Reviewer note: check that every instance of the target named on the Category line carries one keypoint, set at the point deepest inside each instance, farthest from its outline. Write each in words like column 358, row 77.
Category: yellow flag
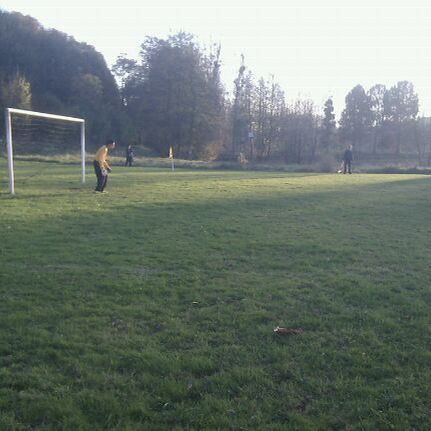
column 171, row 153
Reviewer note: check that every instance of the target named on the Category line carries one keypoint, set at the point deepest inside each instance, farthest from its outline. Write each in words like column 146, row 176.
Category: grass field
column 153, row 307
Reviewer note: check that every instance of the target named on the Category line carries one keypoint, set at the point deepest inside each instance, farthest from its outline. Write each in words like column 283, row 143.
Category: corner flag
column 171, row 156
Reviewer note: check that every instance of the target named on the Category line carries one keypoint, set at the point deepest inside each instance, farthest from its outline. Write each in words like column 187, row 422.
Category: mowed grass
column 153, row 307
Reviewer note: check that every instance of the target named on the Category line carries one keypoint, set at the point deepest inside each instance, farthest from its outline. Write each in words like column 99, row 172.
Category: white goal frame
column 9, row 143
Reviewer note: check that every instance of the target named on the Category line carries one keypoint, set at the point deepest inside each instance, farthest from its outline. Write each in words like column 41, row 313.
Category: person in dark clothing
column 101, row 166
column 129, row 156
column 347, row 160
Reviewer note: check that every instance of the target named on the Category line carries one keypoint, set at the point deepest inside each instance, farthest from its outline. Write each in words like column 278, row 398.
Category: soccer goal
column 35, row 132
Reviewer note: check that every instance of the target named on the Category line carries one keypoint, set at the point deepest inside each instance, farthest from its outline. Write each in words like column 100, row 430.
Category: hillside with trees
column 46, row 70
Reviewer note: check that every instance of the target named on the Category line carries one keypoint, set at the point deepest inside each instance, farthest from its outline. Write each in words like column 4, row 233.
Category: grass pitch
column 152, row 307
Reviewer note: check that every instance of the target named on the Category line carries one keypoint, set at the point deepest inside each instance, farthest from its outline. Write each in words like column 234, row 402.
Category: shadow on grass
column 227, row 228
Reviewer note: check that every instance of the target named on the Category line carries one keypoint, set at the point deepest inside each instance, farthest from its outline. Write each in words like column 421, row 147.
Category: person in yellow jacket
column 101, row 166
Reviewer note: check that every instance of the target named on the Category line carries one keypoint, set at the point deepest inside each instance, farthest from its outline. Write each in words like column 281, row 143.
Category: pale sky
column 314, row 48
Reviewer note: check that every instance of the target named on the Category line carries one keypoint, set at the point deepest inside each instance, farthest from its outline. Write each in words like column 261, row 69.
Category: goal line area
column 31, row 132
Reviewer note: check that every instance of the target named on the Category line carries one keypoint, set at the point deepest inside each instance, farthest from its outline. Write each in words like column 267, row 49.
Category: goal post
column 9, row 138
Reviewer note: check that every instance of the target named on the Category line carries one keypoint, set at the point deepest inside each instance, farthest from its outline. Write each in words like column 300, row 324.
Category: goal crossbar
column 9, row 145
column 44, row 115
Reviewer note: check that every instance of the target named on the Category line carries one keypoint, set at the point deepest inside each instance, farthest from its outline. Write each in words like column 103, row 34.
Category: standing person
column 129, row 156
column 347, row 159
column 101, row 166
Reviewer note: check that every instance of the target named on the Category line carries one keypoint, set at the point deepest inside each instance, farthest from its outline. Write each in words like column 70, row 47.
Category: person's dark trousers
column 347, row 166
column 129, row 161
column 101, row 179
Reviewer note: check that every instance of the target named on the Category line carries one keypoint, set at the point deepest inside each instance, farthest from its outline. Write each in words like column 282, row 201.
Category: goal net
column 38, row 133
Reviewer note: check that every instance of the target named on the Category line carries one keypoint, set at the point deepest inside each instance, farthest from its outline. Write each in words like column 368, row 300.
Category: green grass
column 152, row 307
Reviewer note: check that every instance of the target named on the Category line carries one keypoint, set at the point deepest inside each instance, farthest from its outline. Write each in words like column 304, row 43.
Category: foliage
column 300, row 128
column 264, row 127
column 15, row 92
column 65, row 77
column 174, row 95
column 401, row 106
column 328, row 133
column 241, row 113
column 356, row 118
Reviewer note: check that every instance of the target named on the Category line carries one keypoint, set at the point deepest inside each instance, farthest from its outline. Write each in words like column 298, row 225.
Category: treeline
column 381, row 124
column 172, row 95
column 385, row 121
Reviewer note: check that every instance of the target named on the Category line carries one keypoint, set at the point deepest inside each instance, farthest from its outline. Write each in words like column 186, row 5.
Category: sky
column 314, row 48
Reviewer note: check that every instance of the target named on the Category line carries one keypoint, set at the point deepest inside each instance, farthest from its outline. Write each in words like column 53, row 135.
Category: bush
column 326, row 163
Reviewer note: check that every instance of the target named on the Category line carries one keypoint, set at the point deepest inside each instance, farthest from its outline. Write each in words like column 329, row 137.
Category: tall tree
column 376, row 96
column 300, row 126
column 241, row 114
column 267, row 108
column 328, row 126
column 174, row 96
column 401, row 107
column 356, row 118
column 122, row 69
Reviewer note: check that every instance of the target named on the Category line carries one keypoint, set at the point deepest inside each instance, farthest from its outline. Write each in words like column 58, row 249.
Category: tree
column 299, row 128
column 356, row 118
column 241, row 113
column 328, row 126
column 421, row 133
column 262, row 108
column 401, row 107
column 123, row 69
column 267, row 107
column 376, row 96
column 174, row 96
column 15, row 93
